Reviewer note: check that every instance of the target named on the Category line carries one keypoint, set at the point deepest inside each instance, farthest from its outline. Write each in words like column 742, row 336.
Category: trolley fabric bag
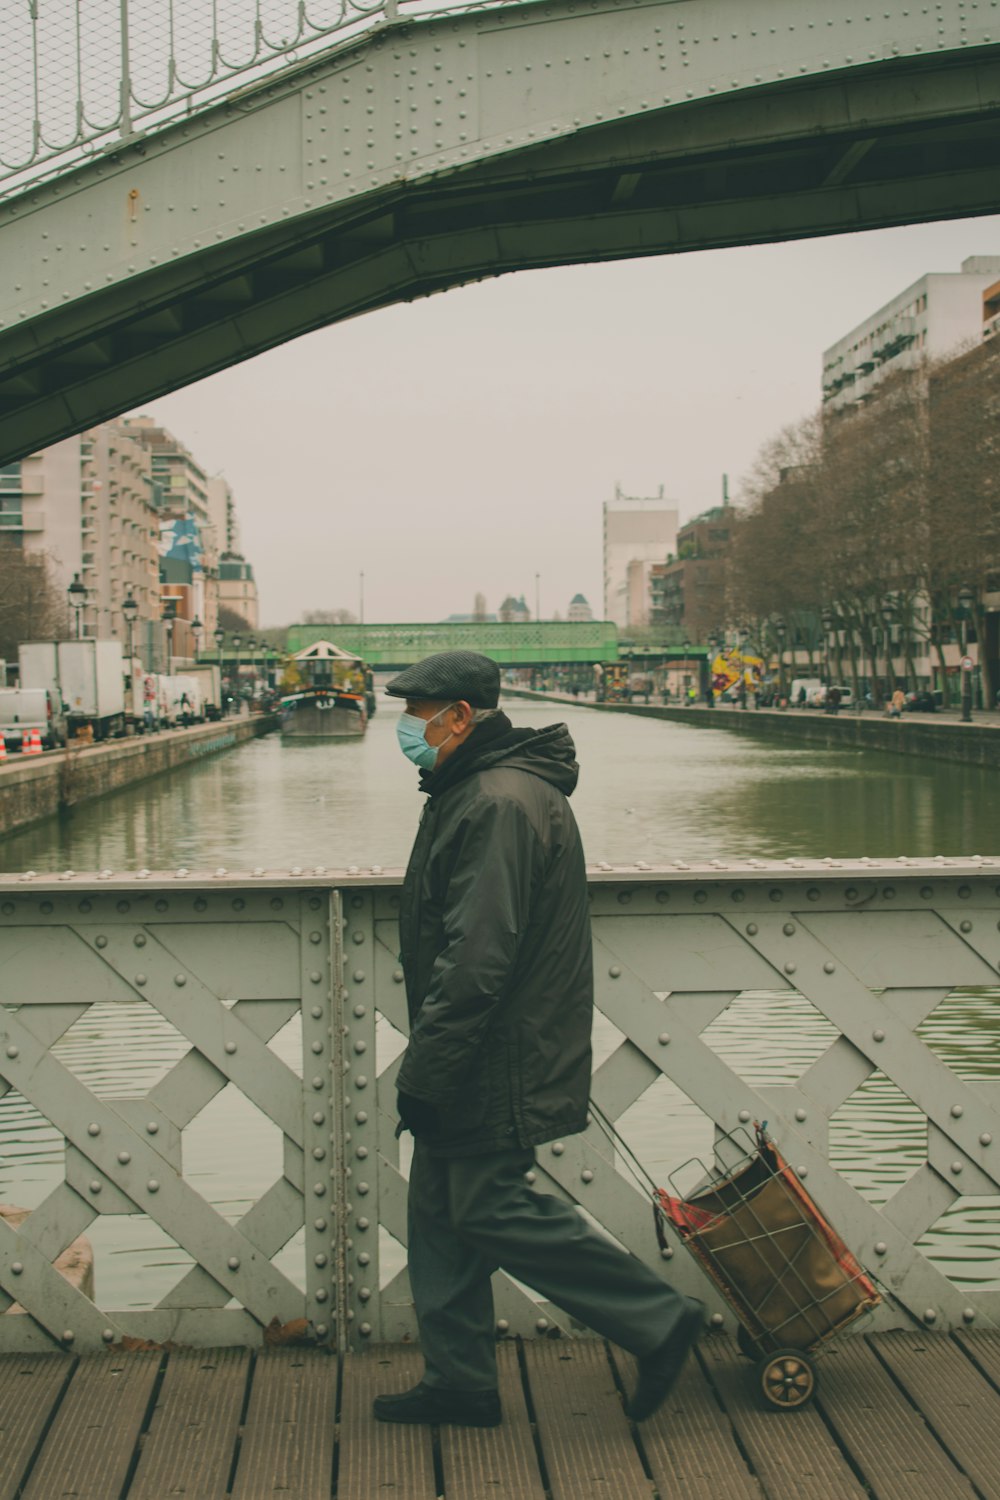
column 771, row 1252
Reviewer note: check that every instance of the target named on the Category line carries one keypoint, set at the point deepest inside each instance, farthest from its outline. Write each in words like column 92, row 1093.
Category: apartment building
column 688, row 591
column 928, row 320
column 638, row 532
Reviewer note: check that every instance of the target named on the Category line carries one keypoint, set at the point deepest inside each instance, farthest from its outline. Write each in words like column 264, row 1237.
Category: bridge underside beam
column 850, row 151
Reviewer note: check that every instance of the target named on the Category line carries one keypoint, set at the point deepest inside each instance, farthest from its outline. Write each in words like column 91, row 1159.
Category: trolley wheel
column 748, row 1345
column 787, row 1379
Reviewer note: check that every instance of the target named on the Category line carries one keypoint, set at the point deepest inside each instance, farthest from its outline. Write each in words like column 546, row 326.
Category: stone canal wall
column 975, row 744
column 36, row 787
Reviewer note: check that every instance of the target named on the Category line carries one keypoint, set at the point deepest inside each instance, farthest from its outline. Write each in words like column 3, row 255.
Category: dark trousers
column 472, row 1215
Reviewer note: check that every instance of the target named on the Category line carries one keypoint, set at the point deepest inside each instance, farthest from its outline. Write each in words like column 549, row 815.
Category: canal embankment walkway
column 937, row 736
column 897, row 1416
column 36, row 787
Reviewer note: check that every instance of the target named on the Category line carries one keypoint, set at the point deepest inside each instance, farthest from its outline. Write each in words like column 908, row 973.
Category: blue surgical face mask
column 411, row 733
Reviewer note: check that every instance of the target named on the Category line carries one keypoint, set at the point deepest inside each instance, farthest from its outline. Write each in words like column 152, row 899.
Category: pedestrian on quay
column 496, row 953
column 897, row 703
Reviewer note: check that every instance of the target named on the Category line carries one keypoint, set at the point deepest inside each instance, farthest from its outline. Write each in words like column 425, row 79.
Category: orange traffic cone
column 3, row 748
column 32, row 743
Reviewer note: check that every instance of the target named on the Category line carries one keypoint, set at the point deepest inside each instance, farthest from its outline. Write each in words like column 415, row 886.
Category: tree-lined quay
column 869, row 551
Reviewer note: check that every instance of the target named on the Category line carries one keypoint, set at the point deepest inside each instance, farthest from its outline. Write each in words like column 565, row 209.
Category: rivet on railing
column 364, row 1293
column 318, row 1153
column 315, row 977
column 751, row 929
column 140, row 940
column 321, row 1294
column 587, row 1175
column 67, row 875
column 789, row 929
column 124, row 1157
column 93, row 1128
column 541, row 1324
column 956, row 1168
column 800, row 1115
column 716, row 1320
column 968, row 1314
column 140, row 980
column 957, row 1111
column 295, row 870
column 363, row 1328
column 363, row 1223
column 221, row 870
column 802, row 1172
column 229, row 1047
column 319, row 1225
column 986, row 1139
column 319, row 1260
column 558, row 1148
column 364, row 1258
column 397, row 976
column 615, row 971
column 317, row 1083
column 13, row 1051
column 16, row 1268
column 360, row 1046
column 180, row 980
column 503, row 1326
column 667, row 1253
column 68, row 1336
column 257, row 870
column 94, row 1185
column 100, row 941
column 180, row 873
column 107, row 1334
column 965, row 926
column 930, row 1315
column 361, row 1117
column 789, row 968
column 318, row 1117
column 878, row 1035
column 530, row 1178
column 744, row 1117
column 362, row 1189
column 319, row 1188
column 233, row 1262
column 152, row 1186
column 321, row 1330
column 319, row 870
column 151, row 1127
column 829, row 967
column 881, row 1247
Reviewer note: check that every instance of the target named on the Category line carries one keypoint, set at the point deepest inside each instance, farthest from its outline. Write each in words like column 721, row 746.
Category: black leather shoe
column 425, row 1403
column 658, row 1371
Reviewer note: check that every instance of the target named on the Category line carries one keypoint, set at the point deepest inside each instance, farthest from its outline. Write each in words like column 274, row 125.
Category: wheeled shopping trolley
column 787, row 1275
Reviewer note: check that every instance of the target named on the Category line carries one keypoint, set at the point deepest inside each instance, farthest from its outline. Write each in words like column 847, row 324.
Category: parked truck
column 85, row 677
column 25, row 709
column 209, row 680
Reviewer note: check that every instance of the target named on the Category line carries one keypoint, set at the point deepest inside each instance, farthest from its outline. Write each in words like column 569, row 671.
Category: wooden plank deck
column 898, row 1416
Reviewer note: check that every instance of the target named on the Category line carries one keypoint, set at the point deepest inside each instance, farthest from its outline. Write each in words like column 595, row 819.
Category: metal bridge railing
column 725, row 994
column 77, row 79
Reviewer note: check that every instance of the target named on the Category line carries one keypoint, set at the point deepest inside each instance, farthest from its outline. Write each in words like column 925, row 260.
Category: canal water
column 649, row 791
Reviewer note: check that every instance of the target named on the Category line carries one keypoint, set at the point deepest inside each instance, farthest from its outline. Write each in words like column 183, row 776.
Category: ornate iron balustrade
column 840, row 962
column 75, row 79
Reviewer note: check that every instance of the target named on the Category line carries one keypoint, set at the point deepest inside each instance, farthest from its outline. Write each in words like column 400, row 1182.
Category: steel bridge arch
column 430, row 153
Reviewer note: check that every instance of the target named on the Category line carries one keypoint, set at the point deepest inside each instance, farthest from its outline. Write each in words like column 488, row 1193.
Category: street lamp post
column 713, row 646
column 780, row 631
column 130, row 609
column 168, row 621
column 965, row 601
column 888, row 614
column 77, row 593
column 237, row 643
column 196, row 630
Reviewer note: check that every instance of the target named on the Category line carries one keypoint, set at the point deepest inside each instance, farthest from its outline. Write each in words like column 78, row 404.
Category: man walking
column 496, row 953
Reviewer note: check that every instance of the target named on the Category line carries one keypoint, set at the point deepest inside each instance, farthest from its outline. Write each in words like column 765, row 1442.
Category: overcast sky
column 466, row 442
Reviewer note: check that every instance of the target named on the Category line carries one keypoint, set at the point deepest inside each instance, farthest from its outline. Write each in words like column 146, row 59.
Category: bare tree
column 329, row 617
column 32, row 606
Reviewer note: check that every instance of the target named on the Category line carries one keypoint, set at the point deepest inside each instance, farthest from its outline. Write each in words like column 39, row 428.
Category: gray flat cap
column 453, row 675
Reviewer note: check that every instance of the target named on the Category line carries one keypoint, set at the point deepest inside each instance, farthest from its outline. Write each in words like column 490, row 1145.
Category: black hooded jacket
column 495, row 945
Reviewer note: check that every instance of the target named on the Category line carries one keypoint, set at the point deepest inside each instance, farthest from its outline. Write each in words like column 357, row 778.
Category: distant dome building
column 579, row 609
column 514, row 610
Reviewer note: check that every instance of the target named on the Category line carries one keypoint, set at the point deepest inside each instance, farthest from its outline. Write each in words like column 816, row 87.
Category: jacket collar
column 462, row 763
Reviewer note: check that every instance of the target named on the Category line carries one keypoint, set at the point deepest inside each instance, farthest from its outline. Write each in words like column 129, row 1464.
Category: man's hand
column 416, row 1115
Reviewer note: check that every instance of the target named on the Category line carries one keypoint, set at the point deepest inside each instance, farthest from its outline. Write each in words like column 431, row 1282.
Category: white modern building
column 932, row 318
column 638, row 531
column 579, row 609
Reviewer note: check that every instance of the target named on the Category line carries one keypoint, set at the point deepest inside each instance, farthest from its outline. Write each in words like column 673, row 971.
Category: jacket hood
column 548, row 753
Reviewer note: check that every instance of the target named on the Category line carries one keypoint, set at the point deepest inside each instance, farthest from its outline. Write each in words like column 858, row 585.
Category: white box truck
column 87, row 676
